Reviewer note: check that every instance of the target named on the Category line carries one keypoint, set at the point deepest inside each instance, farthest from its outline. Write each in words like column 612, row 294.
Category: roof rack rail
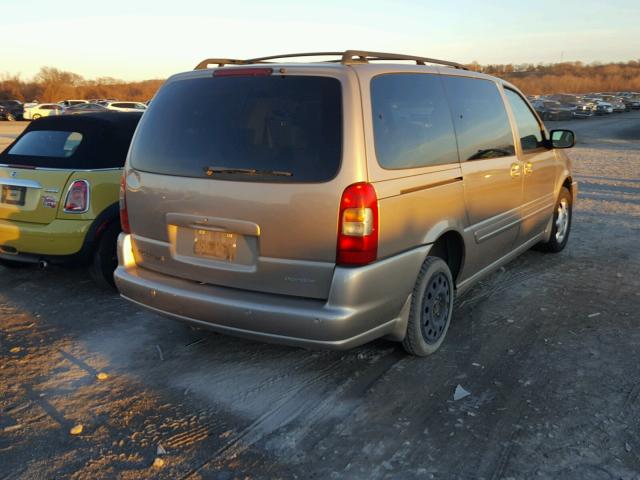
column 347, row 57
column 363, row 56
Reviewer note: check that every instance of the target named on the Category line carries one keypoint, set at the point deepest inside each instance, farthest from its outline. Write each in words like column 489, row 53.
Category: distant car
column 59, row 182
column 125, row 106
column 14, row 110
column 618, row 106
column 6, row 115
column 564, row 98
column 602, row 108
column 84, row 108
column 552, row 110
column 43, row 110
column 71, row 103
column 592, row 100
column 632, row 103
column 583, row 110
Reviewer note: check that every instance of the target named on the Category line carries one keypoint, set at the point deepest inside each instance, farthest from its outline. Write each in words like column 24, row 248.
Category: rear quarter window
column 47, row 143
column 273, row 129
column 411, row 121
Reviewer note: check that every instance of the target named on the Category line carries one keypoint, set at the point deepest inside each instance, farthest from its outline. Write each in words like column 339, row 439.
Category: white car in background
column 42, row 110
column 125, row 106
column 71, row 103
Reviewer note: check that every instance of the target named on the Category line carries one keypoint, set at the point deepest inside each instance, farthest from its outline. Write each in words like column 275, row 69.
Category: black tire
column 13, row 263
column 431, row 308
column 561, row 223
column 35, row 116
column 105, row 257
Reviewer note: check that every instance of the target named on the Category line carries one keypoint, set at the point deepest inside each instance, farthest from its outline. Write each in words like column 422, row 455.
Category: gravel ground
column 547, row 346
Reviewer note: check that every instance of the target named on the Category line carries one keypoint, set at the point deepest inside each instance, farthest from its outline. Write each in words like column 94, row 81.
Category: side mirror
column 562, row 139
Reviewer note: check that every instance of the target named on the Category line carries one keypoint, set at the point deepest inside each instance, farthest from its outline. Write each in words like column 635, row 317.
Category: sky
column 144, row 39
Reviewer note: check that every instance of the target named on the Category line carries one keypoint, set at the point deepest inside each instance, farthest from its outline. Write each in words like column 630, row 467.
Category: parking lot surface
column 547, row 347
column 9, row 131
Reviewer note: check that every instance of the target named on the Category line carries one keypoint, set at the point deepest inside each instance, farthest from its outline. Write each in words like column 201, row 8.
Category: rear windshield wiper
column 211, row 171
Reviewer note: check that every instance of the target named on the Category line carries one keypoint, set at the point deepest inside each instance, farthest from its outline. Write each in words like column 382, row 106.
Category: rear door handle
column 515, row 170
column 528, row 168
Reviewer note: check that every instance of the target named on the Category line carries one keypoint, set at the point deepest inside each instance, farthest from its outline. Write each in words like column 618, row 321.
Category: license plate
column 218, row 245
column 13, row 195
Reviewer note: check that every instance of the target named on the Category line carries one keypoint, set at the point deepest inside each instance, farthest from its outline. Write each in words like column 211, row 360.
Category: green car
column 59, row 183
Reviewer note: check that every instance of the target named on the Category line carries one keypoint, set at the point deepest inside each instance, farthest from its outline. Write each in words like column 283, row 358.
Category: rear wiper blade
column 211, row 171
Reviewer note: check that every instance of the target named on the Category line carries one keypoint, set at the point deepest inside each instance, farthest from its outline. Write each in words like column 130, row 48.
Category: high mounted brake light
column 243, row 72
column 358, row 225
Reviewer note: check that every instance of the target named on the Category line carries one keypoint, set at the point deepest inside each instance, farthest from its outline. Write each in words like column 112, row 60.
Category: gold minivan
column 327, row 204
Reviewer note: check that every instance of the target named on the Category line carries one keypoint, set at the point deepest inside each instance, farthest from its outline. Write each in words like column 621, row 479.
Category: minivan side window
column 411, row 121
column 479, row 117
column 528, row 127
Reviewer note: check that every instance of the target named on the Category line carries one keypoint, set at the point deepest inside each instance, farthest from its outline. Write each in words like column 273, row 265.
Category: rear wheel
column 105, row 257
column 431, row 308
column 561, row 225
column 35, row 116
column 10, row 117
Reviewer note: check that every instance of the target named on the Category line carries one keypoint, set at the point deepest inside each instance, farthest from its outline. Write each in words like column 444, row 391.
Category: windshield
column 244, row 128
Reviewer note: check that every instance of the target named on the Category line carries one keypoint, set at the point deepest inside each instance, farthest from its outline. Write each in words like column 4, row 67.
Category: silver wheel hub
column 562, row 220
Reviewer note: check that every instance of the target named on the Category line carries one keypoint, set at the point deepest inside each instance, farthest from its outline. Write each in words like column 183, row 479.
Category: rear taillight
column 358, row 225
column 124, row 215
column 77, row 200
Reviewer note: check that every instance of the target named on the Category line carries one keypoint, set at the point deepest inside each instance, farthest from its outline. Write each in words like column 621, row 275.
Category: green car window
column 47, row 143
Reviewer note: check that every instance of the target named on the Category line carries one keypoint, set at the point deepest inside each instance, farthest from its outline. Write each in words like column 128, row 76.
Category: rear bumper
column 32, row 241
column 364, row 303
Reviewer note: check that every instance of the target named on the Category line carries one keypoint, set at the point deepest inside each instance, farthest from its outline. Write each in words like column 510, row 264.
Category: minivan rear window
column 47, row 143
column 269, row 129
